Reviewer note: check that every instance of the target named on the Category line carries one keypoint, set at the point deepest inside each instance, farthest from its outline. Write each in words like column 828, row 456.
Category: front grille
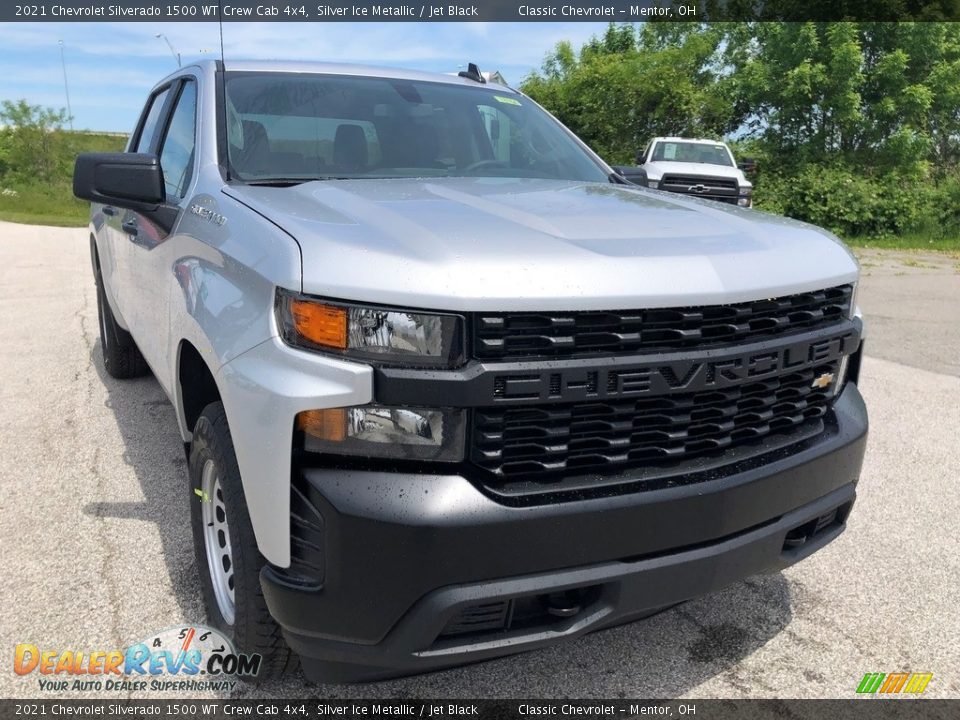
column 532, row 334
column 711, row 188
column 547, row 443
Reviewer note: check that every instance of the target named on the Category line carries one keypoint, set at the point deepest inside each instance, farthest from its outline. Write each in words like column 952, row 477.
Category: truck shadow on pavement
column 663, row 656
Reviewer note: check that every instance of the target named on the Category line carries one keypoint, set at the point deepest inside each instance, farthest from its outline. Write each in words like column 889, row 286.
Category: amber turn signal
column 330, row 424
column 324, row 325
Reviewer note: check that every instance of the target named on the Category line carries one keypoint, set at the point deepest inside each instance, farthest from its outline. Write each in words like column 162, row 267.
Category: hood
column 519, row 244
column 657, row 169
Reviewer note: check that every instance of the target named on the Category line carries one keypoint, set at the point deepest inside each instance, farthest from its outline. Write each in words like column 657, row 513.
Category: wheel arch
column 196, row 387
column 96, row 263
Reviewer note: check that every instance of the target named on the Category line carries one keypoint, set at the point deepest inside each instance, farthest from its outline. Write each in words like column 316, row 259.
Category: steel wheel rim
column 216, row 536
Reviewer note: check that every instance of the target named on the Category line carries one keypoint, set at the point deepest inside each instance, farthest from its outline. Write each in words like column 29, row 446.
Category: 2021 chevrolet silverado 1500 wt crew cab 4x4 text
column 450, row 388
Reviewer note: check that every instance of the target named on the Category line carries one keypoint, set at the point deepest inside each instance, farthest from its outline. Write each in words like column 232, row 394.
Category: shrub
column 854, row 205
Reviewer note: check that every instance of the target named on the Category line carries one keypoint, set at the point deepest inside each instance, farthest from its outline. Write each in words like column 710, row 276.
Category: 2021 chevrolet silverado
column 449, row 388
column 690, row 166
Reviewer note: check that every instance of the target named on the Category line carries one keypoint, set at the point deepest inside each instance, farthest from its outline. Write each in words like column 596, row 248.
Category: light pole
column 176, row 55
column 66, row 86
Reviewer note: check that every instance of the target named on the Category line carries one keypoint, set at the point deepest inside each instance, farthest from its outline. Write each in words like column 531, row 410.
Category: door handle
column 109, row 210
column 130, row 227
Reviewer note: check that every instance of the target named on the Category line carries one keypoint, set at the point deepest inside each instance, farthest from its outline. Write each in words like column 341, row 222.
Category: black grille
column 711, row 188
column 532, row 334
column 549, row 442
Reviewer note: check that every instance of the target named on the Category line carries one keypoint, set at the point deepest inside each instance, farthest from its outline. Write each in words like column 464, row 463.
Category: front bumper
column 405, row 557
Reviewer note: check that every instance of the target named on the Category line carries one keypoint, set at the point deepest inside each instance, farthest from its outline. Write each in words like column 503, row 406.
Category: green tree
column 856, row 125
column 32, row 144
column 877, row 97
column 619, row 90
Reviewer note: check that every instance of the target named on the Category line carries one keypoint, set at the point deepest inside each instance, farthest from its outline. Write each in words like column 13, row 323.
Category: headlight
column 399, row 433
column 653, row 183
column 365, row 332
column 746, row 191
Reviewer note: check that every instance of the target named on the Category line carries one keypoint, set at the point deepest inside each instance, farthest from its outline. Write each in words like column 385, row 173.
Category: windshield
column 296, row 126
column 693, row 153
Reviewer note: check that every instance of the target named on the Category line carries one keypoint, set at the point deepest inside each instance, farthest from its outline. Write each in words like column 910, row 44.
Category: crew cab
column 692, row 166
column 449, row 387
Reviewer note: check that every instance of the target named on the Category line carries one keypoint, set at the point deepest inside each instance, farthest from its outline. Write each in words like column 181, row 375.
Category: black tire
column 253, row 630
column 121, row 356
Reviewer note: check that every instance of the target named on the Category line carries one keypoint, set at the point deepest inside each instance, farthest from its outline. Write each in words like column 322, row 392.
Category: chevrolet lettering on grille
column 658, row 377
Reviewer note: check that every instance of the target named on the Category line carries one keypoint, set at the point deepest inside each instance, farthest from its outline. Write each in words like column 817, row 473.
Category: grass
column 925, row 243
column 53, row 203
column 914, row 263
column 44, row 205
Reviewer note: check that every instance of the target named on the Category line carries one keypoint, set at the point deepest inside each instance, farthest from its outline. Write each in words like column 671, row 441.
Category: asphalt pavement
column 95, row 546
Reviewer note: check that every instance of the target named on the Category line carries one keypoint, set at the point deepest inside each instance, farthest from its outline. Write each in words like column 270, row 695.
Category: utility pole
column 175, row 54
column 66, row 86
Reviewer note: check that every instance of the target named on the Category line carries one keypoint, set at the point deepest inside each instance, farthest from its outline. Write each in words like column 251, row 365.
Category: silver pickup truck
column 451, row 389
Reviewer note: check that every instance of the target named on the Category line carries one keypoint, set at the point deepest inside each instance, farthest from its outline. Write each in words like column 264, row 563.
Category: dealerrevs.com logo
column 192, row 657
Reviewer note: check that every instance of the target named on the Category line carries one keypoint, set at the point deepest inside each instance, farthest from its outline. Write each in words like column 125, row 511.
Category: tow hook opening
column 564, row 604
column 526, row 613
column 802, row 535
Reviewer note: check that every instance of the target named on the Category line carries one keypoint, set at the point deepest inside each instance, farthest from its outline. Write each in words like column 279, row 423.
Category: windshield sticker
column 506, row 100
column 669, row 151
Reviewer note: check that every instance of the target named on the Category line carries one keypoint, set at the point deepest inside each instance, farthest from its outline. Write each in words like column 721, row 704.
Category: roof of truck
column 331, row 68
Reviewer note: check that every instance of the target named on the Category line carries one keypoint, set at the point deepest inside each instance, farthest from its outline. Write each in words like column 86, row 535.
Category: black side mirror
column 639, row 157
column 633, row 175
column 128, row 180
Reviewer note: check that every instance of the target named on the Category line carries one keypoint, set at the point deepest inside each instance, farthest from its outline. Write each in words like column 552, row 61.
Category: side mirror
column 639, row 157
column 633, row 175
column 128, row 180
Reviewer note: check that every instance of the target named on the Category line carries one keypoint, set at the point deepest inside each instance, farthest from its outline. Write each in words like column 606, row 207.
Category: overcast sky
column 111, row 66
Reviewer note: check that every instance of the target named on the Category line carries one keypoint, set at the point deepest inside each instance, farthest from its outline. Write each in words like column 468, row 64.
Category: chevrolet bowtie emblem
column 822, row 381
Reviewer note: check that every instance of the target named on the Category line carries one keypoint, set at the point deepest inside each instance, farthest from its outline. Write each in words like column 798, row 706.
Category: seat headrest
column 350, row 147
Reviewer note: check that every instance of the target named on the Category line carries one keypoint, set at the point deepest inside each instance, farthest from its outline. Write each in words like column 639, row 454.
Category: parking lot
column 96, row 553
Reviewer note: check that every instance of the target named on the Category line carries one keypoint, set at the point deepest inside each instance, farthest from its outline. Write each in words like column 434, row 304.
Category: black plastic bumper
column 406, row 555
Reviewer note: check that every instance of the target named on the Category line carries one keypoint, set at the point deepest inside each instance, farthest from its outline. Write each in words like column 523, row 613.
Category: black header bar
column 478, row 10
column 401, row 709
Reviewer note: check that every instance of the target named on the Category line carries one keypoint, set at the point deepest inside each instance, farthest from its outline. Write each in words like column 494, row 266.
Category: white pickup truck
column 704, row 168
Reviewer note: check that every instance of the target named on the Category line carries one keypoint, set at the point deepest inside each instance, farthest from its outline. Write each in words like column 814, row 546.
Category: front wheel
column 228, row 560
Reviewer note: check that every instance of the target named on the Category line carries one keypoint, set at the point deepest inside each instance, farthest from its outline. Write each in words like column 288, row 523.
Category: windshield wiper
column 277, row 182
column 290, row 182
